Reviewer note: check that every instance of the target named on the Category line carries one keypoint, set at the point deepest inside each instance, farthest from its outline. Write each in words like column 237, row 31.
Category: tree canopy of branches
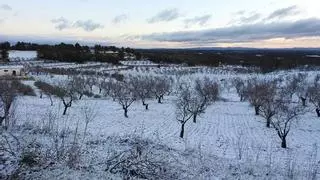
column 298, row 85
column 206, row 92
column 161, row 86
column 8, row 95
column 284, row 118
column 259, row 91
column 270, row 102
column 9, row 90
column 45, row 88
column 240, row 86
column 314, row 94
column 142, row 86
column 66, row 93
column 183, row 114
column 124, row 94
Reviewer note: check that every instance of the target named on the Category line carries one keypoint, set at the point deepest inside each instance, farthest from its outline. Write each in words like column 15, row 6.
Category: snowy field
column 22, row 55
column 227, row 142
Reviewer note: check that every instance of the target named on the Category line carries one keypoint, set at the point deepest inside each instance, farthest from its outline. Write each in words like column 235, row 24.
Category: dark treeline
column 71, row 52
column 266, row 59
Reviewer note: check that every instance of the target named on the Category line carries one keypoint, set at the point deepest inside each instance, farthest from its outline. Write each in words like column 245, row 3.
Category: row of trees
column 71, row 52
column 266, row 60
column 123, row 91
column 192, row 100
column 276, row 100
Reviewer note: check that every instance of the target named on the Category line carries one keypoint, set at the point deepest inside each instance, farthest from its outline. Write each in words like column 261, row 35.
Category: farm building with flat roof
column 12, row 71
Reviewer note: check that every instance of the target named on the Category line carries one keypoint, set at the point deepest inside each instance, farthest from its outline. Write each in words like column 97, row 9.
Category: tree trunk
column 125, row 112
column 257, row 110
column 182, row 131
column 40, row 95
column 80, row 97
column 159, row 100
column 283, row 142
column 241, row 98
column 303, row 101
column 146, row 105
column 51, row 101
column 65, row 110
column 268, row 122
column 318, row 112
column 100, row 90
column 1, row 120
column 195, row 117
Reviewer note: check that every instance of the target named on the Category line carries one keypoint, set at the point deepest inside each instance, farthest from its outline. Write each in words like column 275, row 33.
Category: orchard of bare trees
column 280, row 102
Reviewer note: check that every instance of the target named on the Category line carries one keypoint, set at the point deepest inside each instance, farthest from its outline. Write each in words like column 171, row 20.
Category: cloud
column 119, row 19
column 165, row 16
column 5, row 7
column 61, row 23
column 243, row 33
column 88, row 25
column 284, row 12
column 199, row 20
column 245, row 18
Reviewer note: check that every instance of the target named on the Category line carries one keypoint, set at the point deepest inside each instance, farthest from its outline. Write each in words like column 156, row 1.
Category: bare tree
column 284, row 118
column 298, row 86
column 8, row 95
column 259, row 91
column 183, row 115
column 142, row 86
column 314, row 94
column 45, row 88
column 66, row 93
column 161, row 86
column 239, row 84
column 206, row 92
column 100, row 82
column 89, row 114
column 91, row 81
column 270, row 103
column 124, row 95
column 80, row 86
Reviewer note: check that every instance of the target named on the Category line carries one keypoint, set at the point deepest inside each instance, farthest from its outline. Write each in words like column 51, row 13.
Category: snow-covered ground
column 227, row 142
column 22, row 55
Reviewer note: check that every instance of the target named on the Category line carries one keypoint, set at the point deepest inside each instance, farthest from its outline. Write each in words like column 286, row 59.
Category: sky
column 163, row 23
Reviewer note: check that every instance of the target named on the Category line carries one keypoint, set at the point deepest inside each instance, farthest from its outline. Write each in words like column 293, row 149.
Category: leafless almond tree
column 206, row 92
column 314, row 94
column 298, row 85
column 45, row 88
column 66, row 93
column 183, row 114
column 271, row 103
column 80, row 86
column 8, row 95
column 123, row 93
column 161, row 86
column 284, row 118
column 259, row 91
column 240, row 86
column 91, row 81
column 142, row 86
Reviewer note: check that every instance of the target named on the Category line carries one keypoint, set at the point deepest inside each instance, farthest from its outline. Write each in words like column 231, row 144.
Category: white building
column 12, row 71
